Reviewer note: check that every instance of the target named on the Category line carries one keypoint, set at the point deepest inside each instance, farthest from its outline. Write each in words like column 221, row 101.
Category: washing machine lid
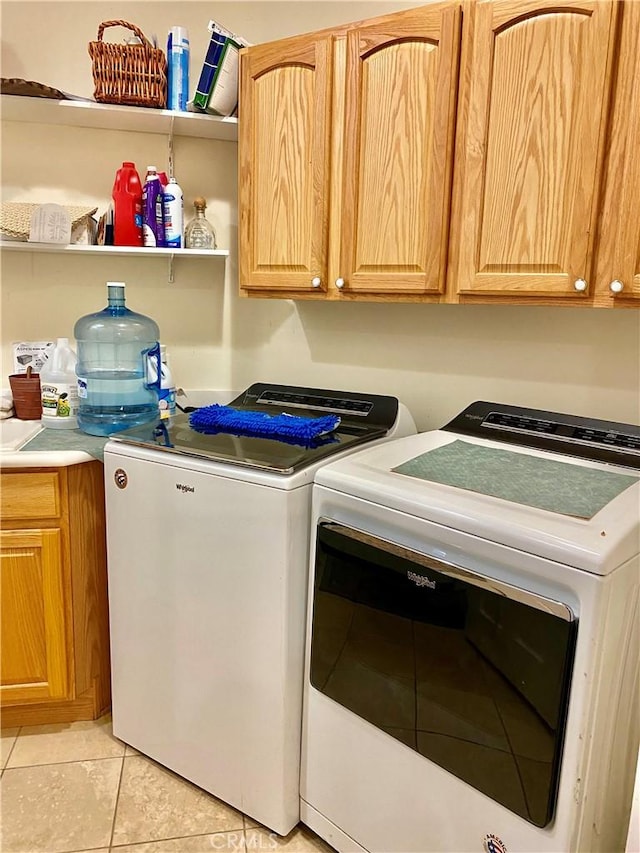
column 363, row 417
column 557, row 486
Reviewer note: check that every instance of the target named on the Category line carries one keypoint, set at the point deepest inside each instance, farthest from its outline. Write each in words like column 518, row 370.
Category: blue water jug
column 114, row 346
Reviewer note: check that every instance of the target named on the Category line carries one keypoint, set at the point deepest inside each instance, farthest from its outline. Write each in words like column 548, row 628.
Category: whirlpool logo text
column 420, row 580
column 182, row 488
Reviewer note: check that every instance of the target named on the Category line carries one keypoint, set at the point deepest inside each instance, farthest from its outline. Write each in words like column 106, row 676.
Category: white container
column 173, row 207
column 167, row 393
column 59, row 388
column 178, row 68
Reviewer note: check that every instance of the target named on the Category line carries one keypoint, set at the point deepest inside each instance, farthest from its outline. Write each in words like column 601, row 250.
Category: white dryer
column 208, row 544
column 472, row 659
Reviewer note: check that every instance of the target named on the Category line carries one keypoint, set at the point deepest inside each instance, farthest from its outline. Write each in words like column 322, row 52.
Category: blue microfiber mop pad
column 214, row 419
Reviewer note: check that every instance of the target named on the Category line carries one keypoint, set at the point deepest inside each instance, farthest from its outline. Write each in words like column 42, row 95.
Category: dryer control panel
column 586, row 438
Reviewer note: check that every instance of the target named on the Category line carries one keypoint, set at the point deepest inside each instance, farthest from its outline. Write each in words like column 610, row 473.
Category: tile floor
column 74, row 788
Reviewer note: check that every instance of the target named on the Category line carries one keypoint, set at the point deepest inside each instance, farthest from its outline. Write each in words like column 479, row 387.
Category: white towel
column 6, row 413
column 6, row 401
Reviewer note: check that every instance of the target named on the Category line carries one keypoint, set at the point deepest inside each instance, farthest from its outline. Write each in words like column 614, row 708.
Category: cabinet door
column 34, row 661
column 284, row 137
column 401, row 87
column 619, row 245
column 529, row 160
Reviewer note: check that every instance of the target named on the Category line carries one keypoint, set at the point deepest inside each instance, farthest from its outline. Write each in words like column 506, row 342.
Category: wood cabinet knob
column 316, row 281
column 616, row 286
column 339, row 283
column 580, row 285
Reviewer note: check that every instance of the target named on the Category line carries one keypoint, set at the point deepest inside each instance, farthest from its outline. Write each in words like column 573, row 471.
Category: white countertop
column 43, row 458
column 15, row 433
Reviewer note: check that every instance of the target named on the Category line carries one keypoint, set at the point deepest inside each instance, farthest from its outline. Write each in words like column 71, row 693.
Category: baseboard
column 51, row 713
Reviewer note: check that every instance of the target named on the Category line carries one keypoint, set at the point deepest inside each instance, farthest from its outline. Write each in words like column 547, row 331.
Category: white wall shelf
column 90, row 114
column 112, row 117
column 128, row 251
column 114, row 250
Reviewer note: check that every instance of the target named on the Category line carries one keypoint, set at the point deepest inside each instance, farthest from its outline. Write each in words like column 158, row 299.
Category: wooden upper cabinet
column 533, row 113
column 397, row 145
column 284, row 138
column 346, row 156
column 453, row 152
column 618, row 273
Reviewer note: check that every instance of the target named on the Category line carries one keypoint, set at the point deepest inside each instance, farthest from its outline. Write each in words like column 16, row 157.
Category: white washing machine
column 208, row 543
column 471, row 673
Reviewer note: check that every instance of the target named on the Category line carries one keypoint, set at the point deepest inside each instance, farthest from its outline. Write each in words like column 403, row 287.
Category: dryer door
column 470, row 672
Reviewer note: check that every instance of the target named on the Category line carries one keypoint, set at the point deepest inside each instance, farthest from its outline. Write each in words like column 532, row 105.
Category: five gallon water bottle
column 115, row 346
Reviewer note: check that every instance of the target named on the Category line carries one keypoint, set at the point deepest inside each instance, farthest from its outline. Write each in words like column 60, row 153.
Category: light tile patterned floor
column 75, row 788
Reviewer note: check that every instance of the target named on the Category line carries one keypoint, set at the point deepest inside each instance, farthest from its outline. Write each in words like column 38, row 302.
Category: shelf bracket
column 171, row 175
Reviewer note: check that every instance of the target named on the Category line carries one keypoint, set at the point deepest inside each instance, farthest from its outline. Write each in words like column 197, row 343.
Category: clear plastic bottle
column 59, row 388
column 115, row 346
column 199, row 233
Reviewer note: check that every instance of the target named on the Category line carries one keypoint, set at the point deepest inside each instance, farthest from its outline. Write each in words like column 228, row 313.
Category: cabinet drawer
column 30, row 495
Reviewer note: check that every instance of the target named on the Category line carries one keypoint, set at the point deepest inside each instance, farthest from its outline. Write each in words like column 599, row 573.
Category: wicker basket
column 15, row 218
column 132, row 74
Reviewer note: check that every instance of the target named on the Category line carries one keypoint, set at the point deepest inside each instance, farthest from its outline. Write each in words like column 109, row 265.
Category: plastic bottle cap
column 116, row 284
column 151, row 169
column 179, row 34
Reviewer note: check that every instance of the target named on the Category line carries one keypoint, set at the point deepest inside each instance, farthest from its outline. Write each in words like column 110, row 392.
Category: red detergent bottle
column 127, row 206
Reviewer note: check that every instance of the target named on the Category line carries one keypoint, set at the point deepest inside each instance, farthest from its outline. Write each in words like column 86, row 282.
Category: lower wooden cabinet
column 35, row 663
column 54, row 654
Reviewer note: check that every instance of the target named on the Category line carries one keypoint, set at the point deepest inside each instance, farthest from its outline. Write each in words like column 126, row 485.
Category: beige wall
column 436, row 358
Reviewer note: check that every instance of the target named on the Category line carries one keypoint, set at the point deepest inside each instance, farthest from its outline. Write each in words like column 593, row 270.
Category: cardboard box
column 31, row 354
column 217, row 89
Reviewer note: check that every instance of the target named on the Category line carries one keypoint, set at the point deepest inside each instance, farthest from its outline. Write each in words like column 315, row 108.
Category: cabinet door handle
column 580, row 285
column 616, row 286
column 339, row 283
column 316, row 281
